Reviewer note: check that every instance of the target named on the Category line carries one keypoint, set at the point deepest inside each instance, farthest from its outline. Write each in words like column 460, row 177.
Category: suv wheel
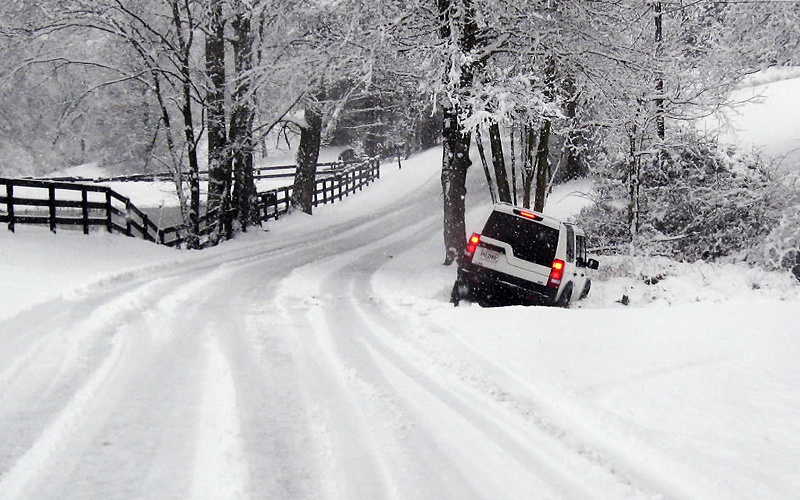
column 565, row 297
column 586, row 288
column 460, row 292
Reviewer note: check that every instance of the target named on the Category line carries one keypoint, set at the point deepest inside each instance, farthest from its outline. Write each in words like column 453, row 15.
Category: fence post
column 339, row 179
column 85, row 209
column 128, row 227
column 52, row 206
column 109, row 224
column 351, row 182
column 10, row 205
column 145, row 223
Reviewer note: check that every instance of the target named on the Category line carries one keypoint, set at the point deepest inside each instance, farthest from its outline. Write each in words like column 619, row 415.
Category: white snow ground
column 321, row 359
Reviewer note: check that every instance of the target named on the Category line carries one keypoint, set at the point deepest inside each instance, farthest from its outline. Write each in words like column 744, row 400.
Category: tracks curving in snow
column 279, row 370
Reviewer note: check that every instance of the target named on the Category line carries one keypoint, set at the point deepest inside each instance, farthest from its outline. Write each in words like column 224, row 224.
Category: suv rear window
column 529, row 240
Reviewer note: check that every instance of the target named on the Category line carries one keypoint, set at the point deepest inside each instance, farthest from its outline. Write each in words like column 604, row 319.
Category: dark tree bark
column 307, row 156
column 513, row 164
column 482, row 154
column 660, row 126
column 185, row 47
column 528, row 164
column 543, row 148
column 219, row 168
column 542, row 166
column 455, row 157
column 634, row 184
column 499, row 162
column 241, row 128
column 455, row 162
column 574, row 166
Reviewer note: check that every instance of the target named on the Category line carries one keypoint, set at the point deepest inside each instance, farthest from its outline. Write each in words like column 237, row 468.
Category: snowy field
column 318, row 357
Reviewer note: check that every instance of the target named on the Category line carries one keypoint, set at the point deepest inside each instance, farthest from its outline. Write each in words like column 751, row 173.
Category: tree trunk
column 185, row 46
column 542, row 166
column 455, row 157
column 513, row 164
column 307, row 157
column 498, row 159
column 660, row 126
column 455, row 162
column 482, row 154
column 634, row 183
column 573, row 163
column 528, row 164
column 241, row 129
column 219, row 172
column 194, row 170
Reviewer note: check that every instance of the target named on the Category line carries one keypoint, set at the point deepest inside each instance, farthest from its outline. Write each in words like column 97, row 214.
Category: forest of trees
column 548, row 90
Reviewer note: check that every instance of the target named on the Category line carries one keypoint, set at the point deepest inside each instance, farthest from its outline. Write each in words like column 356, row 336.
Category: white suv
column 521, row 256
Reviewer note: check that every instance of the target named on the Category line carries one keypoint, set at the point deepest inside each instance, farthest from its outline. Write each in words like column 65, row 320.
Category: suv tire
column 565, row 297
column 460, row 292
column 586, row 288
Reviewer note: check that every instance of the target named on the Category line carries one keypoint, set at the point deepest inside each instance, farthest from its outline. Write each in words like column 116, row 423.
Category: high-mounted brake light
column 472, row 243
column 556, row 273
column 527, row 215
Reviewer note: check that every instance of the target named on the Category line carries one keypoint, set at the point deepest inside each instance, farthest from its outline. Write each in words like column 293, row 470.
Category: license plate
column 486, row 256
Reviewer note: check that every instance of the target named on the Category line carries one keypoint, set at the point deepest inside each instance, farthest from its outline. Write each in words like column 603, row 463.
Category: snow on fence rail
column 273, row 172
column 59, row 203
column 66, row 204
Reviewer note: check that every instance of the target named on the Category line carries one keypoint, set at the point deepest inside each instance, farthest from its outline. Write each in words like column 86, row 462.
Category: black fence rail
column 272, row 172
column 58, row 203
column 328, row 188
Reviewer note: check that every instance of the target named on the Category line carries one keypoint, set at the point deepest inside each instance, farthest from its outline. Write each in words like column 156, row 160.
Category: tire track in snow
column 494, row 386
column 352, row 269
column 45, row 373
column 456, row 432
column 221, row 471
column 14, row 482
column 85, row 408
column 350, row 460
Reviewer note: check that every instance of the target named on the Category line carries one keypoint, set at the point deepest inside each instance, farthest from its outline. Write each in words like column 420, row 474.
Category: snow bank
column 38, row 266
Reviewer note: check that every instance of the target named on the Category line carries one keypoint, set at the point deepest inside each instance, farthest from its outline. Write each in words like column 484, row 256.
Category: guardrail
column 59, row 203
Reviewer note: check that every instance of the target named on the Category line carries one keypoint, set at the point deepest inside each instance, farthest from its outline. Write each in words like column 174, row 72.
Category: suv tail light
column 556, row 273
column 472, row 244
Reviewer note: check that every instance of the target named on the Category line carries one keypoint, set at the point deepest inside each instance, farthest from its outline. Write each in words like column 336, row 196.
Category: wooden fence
column 58, row 203
column 273, row 172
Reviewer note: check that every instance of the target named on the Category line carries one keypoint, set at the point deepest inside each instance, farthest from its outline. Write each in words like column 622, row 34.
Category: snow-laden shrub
column 780, row 249
column 605, row 221
column 712, row 204
column 641, row 281
column 697, row 203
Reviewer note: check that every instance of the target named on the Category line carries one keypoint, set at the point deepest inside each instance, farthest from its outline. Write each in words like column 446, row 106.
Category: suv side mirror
column 592, row 264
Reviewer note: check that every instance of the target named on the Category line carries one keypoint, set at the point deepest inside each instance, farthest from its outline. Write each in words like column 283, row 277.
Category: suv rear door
column 527, row 244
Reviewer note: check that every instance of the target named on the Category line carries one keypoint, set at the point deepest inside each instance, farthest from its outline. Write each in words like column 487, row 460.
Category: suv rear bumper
column 487, row 285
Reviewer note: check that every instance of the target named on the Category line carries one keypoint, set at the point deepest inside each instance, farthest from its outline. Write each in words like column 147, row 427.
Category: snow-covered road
column 321, row 360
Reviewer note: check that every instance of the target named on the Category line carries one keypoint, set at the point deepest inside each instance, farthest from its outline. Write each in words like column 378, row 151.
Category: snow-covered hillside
column 765, row 118
column 320, row 358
